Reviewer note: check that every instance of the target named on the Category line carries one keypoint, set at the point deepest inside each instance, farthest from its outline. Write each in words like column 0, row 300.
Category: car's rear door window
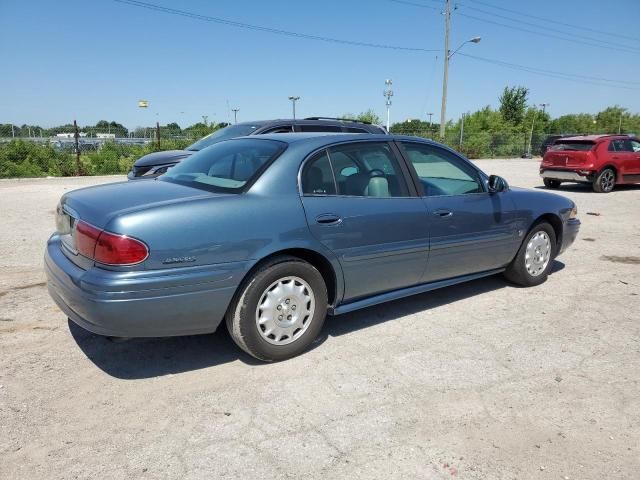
column 441, row 172
column 620, row 145
column 317, row 176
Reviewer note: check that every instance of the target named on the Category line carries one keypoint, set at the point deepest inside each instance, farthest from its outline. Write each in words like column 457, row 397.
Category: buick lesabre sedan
column 272, row 233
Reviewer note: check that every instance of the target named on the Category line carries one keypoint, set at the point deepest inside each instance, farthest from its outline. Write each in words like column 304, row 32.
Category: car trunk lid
column 569, row 154
column 97, row 206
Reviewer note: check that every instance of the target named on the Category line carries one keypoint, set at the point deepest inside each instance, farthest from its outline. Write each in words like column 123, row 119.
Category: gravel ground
column 478, row 381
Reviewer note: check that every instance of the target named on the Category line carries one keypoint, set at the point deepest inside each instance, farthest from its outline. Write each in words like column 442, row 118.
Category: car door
column 621, row 154
column 634, row 162
column 361, row 204
column 471, row 230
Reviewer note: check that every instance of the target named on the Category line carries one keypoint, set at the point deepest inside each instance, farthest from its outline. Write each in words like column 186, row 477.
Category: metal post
column 235, row 115
column 445, row 79
column 388, row 93
column 158, row 133
column 531, row 134
column 77, row 137
column 13, row 133
column 294, row 99
column 461, row 130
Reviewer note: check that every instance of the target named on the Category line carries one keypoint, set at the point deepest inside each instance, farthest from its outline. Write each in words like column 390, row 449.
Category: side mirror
column 497, row 184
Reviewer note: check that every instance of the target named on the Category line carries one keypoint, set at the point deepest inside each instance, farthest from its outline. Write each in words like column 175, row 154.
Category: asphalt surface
column 477, row 381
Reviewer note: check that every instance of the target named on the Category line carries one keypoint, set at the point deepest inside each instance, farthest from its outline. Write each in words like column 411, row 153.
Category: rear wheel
column 279, row 311
column 550, row 183
column 605, row 181
column 534, row 259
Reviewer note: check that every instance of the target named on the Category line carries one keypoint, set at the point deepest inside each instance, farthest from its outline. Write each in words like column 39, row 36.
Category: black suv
column 157, row 163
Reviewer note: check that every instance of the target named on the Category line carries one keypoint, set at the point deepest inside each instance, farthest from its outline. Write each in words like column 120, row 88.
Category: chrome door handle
column 441, row 212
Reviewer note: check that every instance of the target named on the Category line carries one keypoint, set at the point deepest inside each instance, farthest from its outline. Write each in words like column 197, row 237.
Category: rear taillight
column 85, row 238
column 108, row 248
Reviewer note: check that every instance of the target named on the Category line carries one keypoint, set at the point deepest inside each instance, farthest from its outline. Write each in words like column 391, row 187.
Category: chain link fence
column 32, row 151
column 489, row 144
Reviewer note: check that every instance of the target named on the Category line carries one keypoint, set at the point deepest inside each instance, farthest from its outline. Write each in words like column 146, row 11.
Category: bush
column 20, row 158
column 26, row 159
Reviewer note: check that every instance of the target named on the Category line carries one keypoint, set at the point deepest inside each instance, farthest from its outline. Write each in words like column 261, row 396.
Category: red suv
column 601, row 160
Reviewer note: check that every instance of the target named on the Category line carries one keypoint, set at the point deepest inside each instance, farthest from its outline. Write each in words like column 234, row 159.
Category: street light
column 445, row 81
column 388, row 93
column 293, row 102
column 235, row 115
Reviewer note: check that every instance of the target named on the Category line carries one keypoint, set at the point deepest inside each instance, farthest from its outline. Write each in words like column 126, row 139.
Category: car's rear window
column 226, row 166
column 575, row 145
column 232, row 131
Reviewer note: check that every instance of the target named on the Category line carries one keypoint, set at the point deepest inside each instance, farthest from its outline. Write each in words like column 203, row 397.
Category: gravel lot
column 477, row 381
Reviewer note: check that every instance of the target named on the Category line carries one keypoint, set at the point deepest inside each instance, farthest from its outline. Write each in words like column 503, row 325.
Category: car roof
column 312, row 121
column 318, row 139
column 593, row 138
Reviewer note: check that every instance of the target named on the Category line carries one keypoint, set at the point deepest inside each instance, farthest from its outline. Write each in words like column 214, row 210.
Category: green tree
column 369, row 117
column 513, row 103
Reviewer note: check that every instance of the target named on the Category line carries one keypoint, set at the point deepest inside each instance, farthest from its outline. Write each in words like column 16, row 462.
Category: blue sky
column 93, row 60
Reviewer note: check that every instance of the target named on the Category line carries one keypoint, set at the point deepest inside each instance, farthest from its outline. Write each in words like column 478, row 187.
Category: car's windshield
column 226, row 166
column 578, row 145
column 226, row 133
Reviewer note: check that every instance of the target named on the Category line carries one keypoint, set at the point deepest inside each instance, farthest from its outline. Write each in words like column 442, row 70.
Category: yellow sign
column 143, row 103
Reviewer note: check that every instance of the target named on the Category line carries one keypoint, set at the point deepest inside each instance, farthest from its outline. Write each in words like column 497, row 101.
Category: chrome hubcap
column 537, row 253
column 285, row 310
column 607, row 180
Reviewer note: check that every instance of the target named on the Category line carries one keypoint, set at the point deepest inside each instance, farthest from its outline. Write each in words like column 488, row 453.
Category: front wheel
column 534, row 259
column 279, row 311
column 605, row 181
column 550, row 183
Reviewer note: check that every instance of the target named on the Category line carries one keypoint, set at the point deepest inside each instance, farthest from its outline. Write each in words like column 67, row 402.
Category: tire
column 605, row 181
column 524, row 269
column 550, row 183
column 297, row 294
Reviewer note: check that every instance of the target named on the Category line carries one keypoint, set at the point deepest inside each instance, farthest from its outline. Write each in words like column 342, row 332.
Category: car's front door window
column 441, row 172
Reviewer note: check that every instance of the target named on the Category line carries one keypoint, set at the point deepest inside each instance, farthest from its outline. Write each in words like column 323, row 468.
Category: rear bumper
column 566, row 175
column 155, row 303
column 569, row 233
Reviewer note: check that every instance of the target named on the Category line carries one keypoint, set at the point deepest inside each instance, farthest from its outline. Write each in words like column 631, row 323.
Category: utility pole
column 388, row 93
column 235, row 115
column 13, row 133
column 430, row 115
column 544, row 107
column 445, row 79
column 461, row 130
column 535, row 114
column 620, row 124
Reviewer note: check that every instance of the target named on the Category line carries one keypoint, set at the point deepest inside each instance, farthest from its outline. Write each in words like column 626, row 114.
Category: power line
column 546, row 31
column 546, row 27
column 550, row 35
column 223, row 21
column 549, row 20
column 414, row 4
column 600, row 81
